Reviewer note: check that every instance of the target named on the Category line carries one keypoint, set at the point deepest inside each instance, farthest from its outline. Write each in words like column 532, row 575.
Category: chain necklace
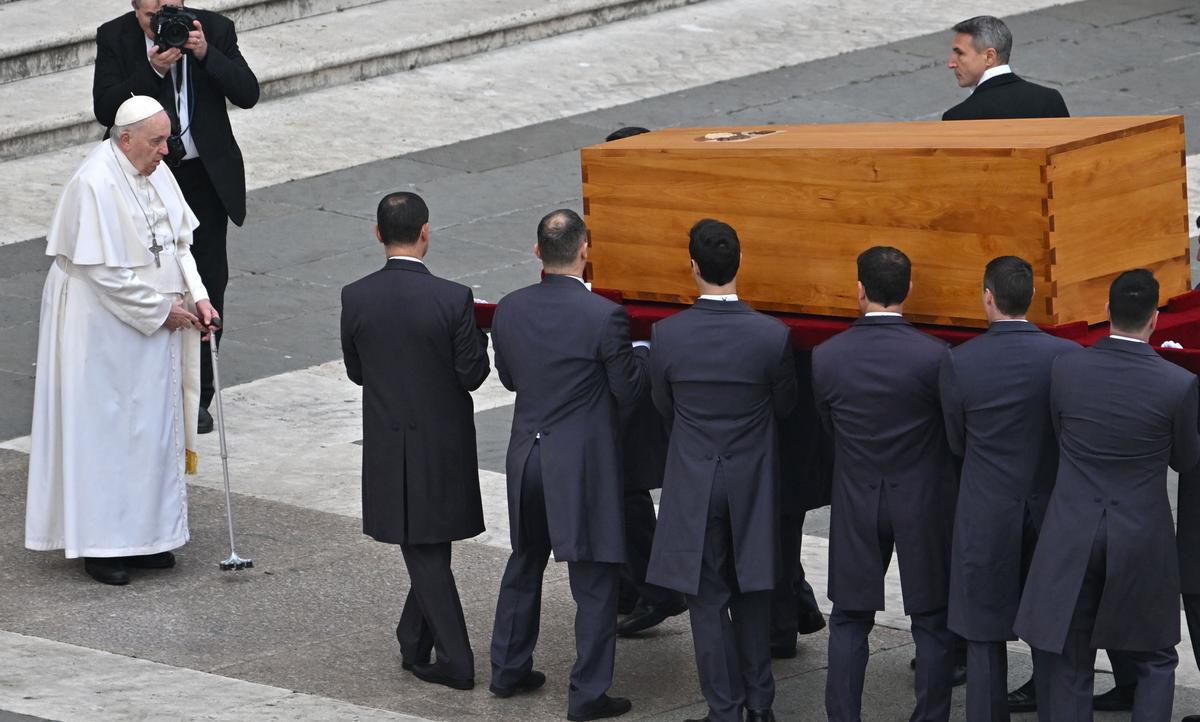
column 155, row 248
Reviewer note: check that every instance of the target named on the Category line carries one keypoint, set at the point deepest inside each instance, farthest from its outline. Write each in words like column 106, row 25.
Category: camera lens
column 173, row 33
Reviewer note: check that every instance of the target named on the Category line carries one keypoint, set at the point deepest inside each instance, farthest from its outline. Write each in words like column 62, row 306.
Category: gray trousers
column 848, row 652
column 1073, row 673
column 519, row 609
column 433, row 614
column 987, row 680
column 731, row 629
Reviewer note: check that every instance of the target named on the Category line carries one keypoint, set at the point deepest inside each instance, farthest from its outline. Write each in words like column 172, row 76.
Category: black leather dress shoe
column 760, row 715
column 106, row 570
column 161, row 560
column 960, row 675
column 811, row 622
column 1117, row 699
column 430, row 673
column 204, row 423
column 1023, row 698
column 532, row 680
column 644, row 618
column 1191, row 718
column 699, row 719
column 603, row 708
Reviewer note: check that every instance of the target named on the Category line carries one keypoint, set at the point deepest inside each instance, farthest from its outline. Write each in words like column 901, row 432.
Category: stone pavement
column 308, row 632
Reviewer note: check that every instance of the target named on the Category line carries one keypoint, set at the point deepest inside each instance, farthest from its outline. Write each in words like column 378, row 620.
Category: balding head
column 561, row 236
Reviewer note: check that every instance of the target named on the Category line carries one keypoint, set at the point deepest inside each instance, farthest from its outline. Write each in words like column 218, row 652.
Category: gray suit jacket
column 721, row 375
column 876, row 386
column 996, row 401
column 1122, row 414
column 566, row 352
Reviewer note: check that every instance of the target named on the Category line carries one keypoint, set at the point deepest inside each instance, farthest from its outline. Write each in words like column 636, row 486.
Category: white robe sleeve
column 128, row 297
column 191, row 274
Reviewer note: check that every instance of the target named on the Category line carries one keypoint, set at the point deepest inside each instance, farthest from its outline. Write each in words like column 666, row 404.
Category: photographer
column 189, row 61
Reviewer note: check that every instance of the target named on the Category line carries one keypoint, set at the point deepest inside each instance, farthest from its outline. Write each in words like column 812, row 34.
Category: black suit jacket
column 409, row 339
column 806, row 451
column 566, row 352
column 1122, row 414
column 1009, row 96
column 1187, row 532
column 996, row 402
column 876, row 386
column 721, row 373
column 122, row 69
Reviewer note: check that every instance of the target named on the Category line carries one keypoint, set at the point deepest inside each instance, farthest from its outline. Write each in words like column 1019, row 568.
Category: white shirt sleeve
column 191, row 274
column 128, row 298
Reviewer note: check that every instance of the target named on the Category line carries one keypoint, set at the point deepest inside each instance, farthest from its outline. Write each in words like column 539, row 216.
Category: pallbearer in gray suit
column 567, row 354
column 1105, row 573
column 996, row 399
column 721, row 373
column 876, row 387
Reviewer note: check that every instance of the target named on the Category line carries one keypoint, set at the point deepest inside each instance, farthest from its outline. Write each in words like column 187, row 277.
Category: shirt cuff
column 641, row 344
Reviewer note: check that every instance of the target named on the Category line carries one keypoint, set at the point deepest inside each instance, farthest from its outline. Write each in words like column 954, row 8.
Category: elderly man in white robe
column 117, row 387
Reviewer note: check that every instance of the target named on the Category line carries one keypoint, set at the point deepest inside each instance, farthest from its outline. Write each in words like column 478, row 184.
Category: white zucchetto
column 137, row 108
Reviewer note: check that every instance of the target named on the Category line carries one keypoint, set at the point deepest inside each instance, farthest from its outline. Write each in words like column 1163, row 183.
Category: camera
column 172, row 24
column 175, row 151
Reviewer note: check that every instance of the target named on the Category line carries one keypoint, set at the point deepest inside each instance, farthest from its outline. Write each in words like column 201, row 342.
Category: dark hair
column 988, row 32
column 885, row 273
column 715, row 248
column 1132, row 298
column 627, row 132
column 1010, row 279
column 559, row 236
column 400, row 217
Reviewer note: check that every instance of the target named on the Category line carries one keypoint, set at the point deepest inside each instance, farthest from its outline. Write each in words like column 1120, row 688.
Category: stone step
column 49, row 112
column 47, row 36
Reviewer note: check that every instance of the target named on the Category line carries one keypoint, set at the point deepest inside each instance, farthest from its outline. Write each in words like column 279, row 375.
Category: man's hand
column 196, row 41
column 207, row 315
column 180, row 317
column 162, row 61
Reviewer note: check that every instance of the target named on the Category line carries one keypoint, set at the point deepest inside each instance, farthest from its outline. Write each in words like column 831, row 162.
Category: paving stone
column 1170, row 84
column 920, row 95
column 296, row 239
column 1092, row 55
column 16, row 401
column 514, row 146
column 515, row 230
column 492, row 432
column 375, row 179
column 1114, row 12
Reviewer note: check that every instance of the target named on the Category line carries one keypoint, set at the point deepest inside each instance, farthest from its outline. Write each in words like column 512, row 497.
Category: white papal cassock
column 116, row 394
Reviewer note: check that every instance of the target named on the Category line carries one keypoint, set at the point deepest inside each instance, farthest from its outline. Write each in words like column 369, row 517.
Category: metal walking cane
column 234, row 562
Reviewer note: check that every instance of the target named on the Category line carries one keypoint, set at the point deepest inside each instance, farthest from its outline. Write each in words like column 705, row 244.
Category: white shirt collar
column 1125, row 338
column 586, row 285
column 991, row 73
column 1011, row 320
column 406, row 258
column 882, row 313
column 719, row 297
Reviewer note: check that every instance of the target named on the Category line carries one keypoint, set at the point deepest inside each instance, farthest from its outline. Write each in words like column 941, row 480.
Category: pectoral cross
column 156, row 249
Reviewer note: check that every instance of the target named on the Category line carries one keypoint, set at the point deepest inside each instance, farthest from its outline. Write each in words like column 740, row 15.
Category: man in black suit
column 1105, row 573
column 644, row 456
column 420, row 474
column 806, row 466
column 995, row 393
column 979, row 59
column 566, row 353
column 193, row 83
column 876, row 387
column 1187, row 538
column 721, row 373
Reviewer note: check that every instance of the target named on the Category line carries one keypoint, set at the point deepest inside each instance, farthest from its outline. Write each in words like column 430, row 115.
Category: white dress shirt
column 719, row 297
column 883, row 313
column 991, row 73
column 406, row 258
column 1125, row 338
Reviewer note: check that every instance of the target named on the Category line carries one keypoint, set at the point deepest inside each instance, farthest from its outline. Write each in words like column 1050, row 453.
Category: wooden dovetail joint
column 1045, row 206
column 1050, row 190
column 583, row 173
column 587, row 209
column 1050, row 220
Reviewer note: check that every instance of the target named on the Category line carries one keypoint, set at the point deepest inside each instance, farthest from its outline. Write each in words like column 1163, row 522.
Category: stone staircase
column 47, row 48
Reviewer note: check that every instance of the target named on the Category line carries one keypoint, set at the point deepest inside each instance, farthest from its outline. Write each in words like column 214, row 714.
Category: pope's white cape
column 116, row 395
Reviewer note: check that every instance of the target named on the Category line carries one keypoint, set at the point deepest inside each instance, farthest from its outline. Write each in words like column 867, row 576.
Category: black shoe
column 960, row 675
column 699, row 719
column 532, row 680
column 407, row 666
column 1191, row 718
column 161, row 560
column 430, row 673
column 1117, row 699
column 644, row 618
column 1023, row 698
column 811, row 622
column 783, row 651
column 760, row 715
column 204, row 424
column 106, row 570
column 603, row 708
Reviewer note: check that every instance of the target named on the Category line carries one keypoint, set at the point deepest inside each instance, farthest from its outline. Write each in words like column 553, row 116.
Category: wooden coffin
column 1081, row 199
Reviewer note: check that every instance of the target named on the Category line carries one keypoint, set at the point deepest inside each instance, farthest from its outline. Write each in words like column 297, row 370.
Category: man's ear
column 584, row 249
column 537, row 251
column 378, row 235
column 1154, row 321
column 425, row 232
column 862, row 292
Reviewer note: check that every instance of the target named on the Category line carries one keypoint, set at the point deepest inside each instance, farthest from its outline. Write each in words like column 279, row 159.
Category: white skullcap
column 137, row 108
